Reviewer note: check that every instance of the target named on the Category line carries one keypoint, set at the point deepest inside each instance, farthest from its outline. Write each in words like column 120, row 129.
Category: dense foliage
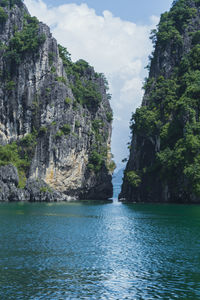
column 10, row 3
column 19, row 154
column 85, row 85
column 3, row 15
column 83, row 80
column 171, row 116
column 64, row 131
column 133, row 178
column 173, row 24
column 25, row 41
column 96, row 161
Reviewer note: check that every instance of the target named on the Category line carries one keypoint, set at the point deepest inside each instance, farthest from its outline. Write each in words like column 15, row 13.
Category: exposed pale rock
column 37, row 103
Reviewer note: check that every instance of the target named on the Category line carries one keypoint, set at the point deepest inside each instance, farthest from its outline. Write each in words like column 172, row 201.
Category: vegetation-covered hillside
column 164, row 163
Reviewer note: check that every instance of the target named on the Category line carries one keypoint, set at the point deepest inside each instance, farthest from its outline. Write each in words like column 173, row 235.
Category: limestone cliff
column 164, row 162
column 55, row 116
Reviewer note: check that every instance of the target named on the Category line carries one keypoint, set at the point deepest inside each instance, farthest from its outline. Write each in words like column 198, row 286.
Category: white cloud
column 113, row 46
column 154, row 19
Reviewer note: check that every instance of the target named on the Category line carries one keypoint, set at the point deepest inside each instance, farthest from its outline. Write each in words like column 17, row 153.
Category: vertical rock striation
column 164, row 162
column 55, row 116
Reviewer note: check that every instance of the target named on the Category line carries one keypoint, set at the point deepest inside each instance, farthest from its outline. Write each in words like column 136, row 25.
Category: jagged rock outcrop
column 55, row 116
column 36, row 190
column 164, row 162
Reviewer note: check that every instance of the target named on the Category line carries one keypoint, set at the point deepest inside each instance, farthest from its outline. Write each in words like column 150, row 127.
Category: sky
column 113, row 36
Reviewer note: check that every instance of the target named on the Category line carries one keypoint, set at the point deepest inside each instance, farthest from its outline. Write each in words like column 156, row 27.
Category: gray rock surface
column 9, row 181
column 33, row 101
column 9, row 175
column 36, row 190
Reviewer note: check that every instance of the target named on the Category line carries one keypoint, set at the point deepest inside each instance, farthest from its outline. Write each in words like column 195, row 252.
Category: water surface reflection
column 99, row 251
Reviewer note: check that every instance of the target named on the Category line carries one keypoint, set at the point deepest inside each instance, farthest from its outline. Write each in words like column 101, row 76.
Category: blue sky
column 113, row 36
column 130, row 10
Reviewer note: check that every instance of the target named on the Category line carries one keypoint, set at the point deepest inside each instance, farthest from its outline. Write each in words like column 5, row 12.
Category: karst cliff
column 164, row 161
column 55, row 116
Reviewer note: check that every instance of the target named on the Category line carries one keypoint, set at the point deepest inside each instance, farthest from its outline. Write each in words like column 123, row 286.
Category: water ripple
column 101, row 251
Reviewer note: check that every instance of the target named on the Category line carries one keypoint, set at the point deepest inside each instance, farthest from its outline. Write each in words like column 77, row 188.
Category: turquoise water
column 99, row 251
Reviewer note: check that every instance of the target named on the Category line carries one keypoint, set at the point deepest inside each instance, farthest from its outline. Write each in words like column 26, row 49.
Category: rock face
column 55, row 116
column 164, row 162
column 36, row 190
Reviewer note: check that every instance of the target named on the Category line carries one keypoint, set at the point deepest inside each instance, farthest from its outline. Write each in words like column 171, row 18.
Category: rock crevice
column 54, row 113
